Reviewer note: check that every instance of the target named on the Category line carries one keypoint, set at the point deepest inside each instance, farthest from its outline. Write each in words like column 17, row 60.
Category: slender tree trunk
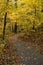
column 5, row 17
column 15, row 27
column 34, row 17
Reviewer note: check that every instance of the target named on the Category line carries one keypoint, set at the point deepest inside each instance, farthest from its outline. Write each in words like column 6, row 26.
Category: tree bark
column 5, row 18
column 15, row 27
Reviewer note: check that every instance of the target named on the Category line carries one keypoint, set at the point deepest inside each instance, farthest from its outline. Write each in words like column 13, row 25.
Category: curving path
column 18, row 52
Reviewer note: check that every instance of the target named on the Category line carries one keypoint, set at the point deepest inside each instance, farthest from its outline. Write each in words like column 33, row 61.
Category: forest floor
column 19, row 51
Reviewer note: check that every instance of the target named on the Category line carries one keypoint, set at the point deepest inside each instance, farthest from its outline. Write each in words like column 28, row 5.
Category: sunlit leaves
column 25, row 8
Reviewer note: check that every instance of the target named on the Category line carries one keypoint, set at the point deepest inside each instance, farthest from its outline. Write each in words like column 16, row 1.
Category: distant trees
column 25, row 11
column 37, row 13
column 14, row 29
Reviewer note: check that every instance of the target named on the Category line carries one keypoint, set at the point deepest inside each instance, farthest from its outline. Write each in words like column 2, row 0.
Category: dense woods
column 21, row 21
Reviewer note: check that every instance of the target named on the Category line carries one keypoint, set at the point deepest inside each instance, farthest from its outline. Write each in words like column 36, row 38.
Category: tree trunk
column 5, row 17
column 15, row 27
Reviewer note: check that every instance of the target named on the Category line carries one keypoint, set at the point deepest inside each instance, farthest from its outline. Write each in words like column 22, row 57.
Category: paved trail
column 28, row 55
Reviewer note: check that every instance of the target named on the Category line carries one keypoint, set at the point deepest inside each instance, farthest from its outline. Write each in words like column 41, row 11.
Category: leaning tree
column 5, row 18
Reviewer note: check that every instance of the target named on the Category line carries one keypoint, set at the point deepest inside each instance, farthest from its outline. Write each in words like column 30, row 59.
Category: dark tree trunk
column 42, row 10
column 15, row 27
column 5, row 17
